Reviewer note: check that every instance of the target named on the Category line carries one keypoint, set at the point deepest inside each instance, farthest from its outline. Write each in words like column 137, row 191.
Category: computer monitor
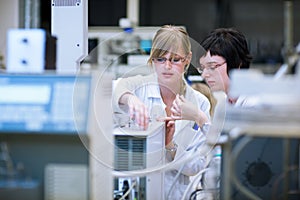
column 44, row 103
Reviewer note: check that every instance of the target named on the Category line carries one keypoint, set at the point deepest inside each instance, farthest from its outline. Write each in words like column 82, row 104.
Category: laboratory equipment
column 117, row 54
column 30, row 51
column 38, row 124
column 14, row 182
column 260, row 159
column 54, row 122
column 73, row 178
column 137, row 150
column 69, row 23
column 127, row 42
column 42, row 103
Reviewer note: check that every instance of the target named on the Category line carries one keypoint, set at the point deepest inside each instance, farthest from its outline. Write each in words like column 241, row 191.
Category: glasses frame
column 211, row 68
column 171, row 60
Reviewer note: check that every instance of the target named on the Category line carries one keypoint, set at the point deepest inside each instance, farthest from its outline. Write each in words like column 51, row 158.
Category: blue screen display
column 47, row 103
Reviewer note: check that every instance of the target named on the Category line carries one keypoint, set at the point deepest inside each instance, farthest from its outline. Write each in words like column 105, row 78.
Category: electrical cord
column 196, row 177
column 192, row 182
column 194, row 194
column 128, row 191
column 175, row 180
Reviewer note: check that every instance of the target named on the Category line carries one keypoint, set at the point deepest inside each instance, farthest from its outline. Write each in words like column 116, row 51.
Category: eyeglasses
column 173, row 60
column 210, row 66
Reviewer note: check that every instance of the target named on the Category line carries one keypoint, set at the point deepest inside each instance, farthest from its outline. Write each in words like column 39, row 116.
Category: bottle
column 212, row 176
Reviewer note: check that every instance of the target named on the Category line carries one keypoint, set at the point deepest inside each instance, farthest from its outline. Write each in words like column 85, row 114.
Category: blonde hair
column 170, row 39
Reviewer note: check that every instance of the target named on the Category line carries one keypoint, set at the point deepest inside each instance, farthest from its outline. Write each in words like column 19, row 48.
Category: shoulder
column 137, row 79
column 145, row 78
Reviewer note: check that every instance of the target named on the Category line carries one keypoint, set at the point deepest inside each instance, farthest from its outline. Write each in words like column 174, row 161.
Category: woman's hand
column 183, row 109
column 138, row 111
column 186, row 110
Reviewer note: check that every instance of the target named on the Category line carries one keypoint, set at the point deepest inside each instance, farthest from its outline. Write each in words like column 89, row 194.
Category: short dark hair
column 231, row 44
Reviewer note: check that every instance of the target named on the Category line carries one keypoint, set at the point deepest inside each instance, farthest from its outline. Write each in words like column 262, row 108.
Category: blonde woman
column 182, row 107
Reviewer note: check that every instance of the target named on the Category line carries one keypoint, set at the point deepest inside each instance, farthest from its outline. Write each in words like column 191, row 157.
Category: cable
column 206, row 168
column 128, row 191
column 194, row 193
column 175, row 180
column 192, row 182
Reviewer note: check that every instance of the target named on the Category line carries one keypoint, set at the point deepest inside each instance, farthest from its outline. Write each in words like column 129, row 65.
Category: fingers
column 170, row 124
column 164, row 119
column 176, row 109
column 175, row 112
column 141, row 116
column 138, row 112
column 181, row 97
column 176, row 104
column 131, row 111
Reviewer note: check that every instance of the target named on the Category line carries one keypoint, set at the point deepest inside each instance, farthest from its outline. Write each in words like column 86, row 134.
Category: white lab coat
column 147, row 89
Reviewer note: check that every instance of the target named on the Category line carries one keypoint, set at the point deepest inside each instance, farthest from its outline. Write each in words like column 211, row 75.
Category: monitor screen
column 48, row 103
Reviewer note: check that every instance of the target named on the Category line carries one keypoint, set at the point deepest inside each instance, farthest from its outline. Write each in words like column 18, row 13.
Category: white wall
column 9, row 18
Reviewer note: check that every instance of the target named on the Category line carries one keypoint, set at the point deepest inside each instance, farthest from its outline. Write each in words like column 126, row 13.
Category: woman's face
column 169, row 69
column 214, row 72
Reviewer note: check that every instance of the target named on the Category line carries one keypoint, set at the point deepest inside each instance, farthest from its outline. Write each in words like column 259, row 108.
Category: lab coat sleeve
column 205, row 107
column 122, row 86
column 196, row 161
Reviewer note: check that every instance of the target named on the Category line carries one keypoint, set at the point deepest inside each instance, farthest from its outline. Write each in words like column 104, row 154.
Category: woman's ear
column 189, row 57
column 188, row 62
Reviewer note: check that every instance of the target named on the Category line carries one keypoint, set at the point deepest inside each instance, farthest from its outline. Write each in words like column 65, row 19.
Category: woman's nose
column 168, row 64
column 205, row 73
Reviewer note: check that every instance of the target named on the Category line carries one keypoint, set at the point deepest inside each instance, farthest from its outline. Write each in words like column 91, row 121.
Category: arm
column 124, row 99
